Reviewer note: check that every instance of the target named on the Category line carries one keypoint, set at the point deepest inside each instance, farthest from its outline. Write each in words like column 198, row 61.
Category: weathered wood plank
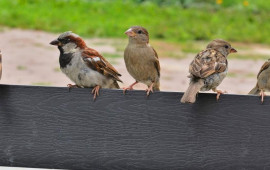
column 49, row 127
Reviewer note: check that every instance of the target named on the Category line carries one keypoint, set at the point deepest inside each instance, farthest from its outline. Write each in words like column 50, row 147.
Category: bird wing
column 156, row 62
column 264, row 67
column 208, row 62
column 98, row 63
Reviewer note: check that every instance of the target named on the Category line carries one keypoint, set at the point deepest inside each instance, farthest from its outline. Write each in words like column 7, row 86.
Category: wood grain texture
column 49, row 127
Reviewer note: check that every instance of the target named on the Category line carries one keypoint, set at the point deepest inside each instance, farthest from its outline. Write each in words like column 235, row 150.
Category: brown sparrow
column 263, row 81
column 208, row 69
column 141, row 59
column 84, row 65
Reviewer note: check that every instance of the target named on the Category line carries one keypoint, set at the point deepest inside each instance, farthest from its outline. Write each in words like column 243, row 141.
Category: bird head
column 137, row 34
column 222, row 46
column 68, row 42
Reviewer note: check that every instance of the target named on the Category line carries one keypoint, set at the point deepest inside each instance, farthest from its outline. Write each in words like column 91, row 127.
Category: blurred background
column 178, row 30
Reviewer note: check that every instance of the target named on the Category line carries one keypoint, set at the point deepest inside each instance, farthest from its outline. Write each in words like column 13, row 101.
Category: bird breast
column 140, row 63
column 84, row 76
column 264, row 80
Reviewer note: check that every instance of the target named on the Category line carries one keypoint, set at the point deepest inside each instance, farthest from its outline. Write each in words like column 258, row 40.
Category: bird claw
column 95, row 92
column 219, row 92
column 262, row 94
column 149, row 89
column 129, row 87
column 71, row 86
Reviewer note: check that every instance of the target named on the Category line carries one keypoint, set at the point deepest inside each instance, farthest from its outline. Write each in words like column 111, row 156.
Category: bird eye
column 140, row 31
column 65, row 41
column 226, row 46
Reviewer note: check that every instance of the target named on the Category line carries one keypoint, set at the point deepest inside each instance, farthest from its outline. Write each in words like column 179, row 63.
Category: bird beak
column 130, row 33
column 233, row 50
column 56, row 42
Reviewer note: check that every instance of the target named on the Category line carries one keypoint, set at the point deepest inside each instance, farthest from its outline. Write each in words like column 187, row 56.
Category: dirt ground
column 28, row 59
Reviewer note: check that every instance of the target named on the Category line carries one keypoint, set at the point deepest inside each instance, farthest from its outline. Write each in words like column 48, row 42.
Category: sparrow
column 141, row 60
column 83, row 65
column 208, row 69
column 0, row 64
column 263, row 81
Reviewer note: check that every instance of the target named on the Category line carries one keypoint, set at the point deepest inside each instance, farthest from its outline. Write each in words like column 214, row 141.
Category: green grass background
column 170, row 20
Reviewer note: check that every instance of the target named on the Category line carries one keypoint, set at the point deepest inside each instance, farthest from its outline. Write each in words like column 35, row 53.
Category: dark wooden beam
column 49, row 127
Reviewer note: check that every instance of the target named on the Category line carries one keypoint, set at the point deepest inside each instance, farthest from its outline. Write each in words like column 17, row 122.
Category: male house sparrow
column 141, row 59
column 208, row 69
column 84, row 65
column 263, row 81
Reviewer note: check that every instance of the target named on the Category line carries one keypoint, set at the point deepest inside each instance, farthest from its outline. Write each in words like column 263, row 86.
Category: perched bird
column 263, row 81
column 83, row 65
column 0, row 64
column 208, row 69
column 142, row 60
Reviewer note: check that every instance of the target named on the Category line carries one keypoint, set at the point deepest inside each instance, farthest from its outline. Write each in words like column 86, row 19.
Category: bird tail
column 255, row 91
column 156, row 86
column 193, row 88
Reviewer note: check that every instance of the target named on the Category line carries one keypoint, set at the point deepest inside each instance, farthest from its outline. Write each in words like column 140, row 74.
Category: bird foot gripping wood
column 262, row 94
column 129, row 87
column 219, row 92
column 149, row 89
column 72, row 86
column 95, row 92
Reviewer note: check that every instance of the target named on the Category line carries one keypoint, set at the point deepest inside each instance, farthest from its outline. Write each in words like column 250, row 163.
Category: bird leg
column 95, row 91
column 72, row 86
column 262, row 94
column 219, row 92
column 129, row 87
column 149, row 89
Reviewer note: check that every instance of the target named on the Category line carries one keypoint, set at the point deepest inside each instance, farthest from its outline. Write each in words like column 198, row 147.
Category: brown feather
column 255, row 90
column 193, row 88
column 208, row 69
column 141, row 59
column 263, row 82
column 208, row 62
column 78, row 41
column 156, row 62
column 264, row 67
column 101, row 64
column 142, row 64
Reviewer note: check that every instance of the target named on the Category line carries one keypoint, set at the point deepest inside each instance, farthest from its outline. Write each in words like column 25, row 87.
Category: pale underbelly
column 213, row 81
column 86, row 77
